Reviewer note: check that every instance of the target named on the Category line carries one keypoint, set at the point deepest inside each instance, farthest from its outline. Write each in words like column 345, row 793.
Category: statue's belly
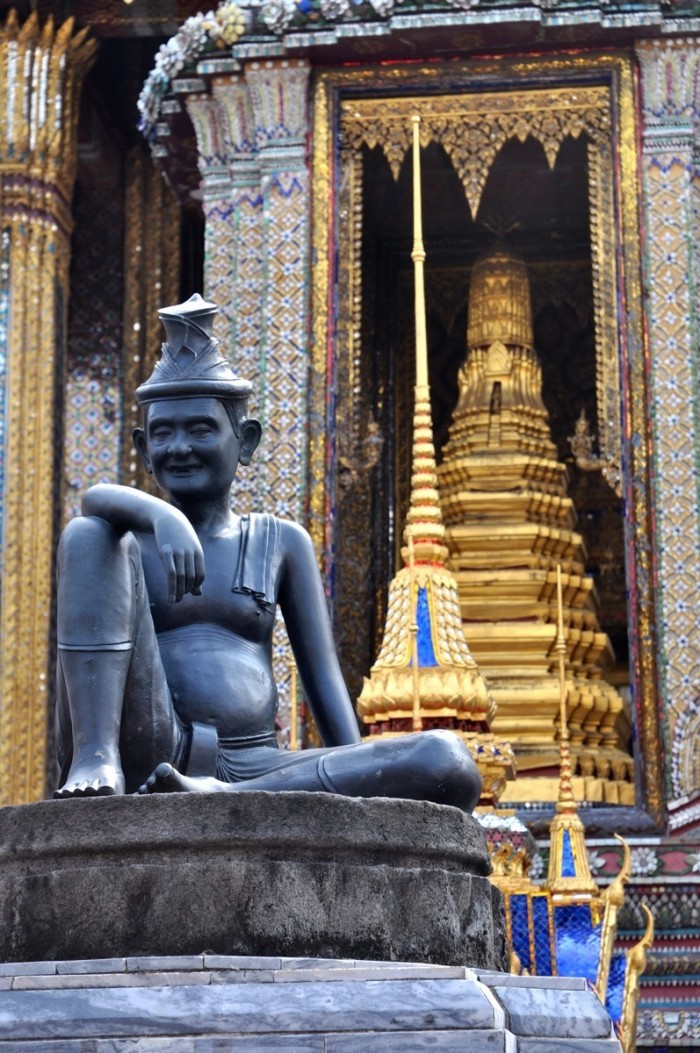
column 216, row 677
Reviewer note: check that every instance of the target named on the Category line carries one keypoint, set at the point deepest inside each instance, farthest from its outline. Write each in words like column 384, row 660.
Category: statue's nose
column 180, row 444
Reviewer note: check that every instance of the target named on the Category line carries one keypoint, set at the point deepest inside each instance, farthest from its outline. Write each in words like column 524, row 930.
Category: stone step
column 216, row 1003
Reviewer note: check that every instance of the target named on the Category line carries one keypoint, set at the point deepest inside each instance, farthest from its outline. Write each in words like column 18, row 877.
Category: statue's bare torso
column 216, row 647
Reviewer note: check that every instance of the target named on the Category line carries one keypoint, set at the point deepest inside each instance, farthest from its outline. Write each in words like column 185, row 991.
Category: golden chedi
column 424, row 676
column 509, row 522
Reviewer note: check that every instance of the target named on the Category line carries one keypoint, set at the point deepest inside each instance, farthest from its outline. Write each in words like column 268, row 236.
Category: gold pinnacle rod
column 417, row 719
column 418, row 257
column 566, row 795
column 293, row 712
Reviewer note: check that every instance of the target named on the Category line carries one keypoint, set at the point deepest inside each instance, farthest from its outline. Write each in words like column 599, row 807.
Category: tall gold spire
column 425, row 674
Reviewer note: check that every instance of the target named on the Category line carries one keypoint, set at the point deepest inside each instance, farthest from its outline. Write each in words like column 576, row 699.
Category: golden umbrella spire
column 425, row 674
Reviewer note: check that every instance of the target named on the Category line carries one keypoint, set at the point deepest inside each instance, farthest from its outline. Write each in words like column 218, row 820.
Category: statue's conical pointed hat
column 191, row 362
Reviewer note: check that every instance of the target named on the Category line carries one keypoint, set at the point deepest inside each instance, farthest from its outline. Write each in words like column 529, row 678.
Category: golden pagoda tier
column 509, row 522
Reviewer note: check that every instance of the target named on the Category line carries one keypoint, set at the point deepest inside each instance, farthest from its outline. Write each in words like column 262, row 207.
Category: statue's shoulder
column 267, row 523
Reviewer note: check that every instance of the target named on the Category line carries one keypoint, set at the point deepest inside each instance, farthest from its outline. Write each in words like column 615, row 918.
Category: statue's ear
column 139, row 437
column 251, row 430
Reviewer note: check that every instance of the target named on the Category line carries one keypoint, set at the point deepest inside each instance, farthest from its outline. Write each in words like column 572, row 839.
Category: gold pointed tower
column 425, row 676
column 509, row 522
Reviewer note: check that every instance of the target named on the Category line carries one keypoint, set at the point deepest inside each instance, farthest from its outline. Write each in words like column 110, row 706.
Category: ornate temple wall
column 670, row 103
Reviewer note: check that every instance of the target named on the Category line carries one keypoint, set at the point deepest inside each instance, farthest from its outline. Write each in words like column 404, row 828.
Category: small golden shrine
column 424, row 675
column 509, row 522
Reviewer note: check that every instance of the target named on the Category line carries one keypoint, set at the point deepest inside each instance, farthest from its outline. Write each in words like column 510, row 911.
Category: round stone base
column 292, row 874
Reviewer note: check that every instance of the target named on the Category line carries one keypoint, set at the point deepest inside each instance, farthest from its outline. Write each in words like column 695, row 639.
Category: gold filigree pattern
column 473, row 128
column 38, row 134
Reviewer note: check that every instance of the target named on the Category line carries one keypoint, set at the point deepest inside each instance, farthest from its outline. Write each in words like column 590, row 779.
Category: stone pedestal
column 293, row 874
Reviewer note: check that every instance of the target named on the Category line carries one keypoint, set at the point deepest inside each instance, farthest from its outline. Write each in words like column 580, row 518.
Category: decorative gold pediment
column 473, row 128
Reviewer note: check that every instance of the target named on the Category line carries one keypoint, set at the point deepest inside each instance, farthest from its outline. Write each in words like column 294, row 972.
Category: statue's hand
column 180, row 553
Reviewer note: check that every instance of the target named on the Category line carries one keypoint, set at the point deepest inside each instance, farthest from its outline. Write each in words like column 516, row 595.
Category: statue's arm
column 178, row 546
column 303, row 605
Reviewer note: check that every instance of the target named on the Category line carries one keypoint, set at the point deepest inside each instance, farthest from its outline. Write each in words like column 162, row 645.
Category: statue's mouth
column 182, row 470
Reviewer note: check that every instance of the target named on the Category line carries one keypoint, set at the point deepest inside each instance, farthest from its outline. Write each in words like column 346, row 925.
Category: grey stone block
column 304, row 964
column 242, row 976
column 568, row 1045
column 254, row 1008
column 262, row 1044
column 240, row 961
column 106, row 980
column 165, row 963
column 418, row 1042
column 27, row 968
column 545, row 983
column 386, row 972
column 93, row 965
column 105, row 1045
column 286, row 874
column 552, row 1013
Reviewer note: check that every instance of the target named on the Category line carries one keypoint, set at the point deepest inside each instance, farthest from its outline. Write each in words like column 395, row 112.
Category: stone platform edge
column 212, row 1003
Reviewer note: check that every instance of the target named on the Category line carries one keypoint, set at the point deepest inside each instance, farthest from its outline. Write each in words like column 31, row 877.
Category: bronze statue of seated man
column 166, row 611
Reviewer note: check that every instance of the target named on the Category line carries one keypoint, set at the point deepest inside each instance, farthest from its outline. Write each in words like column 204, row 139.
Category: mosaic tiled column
column 232, row 203
column 669, row 78
column 252, row 143
column 279, row 94
column 41, row 74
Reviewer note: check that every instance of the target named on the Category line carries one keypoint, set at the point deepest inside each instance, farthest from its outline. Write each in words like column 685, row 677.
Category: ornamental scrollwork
column 473, row 129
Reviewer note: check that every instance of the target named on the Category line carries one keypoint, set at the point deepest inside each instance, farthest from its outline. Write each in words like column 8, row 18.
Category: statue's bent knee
column 87, row 536
column 452, row 769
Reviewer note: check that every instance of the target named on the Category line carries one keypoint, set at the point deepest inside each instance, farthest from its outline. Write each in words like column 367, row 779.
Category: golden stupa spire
column 508, row 521
column 424, row 674
column 424, row 518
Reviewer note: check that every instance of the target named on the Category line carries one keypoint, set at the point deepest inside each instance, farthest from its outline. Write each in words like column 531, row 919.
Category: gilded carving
column 473, row 128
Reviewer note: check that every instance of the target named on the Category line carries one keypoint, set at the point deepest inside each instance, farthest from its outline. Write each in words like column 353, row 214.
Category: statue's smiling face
column 191, row 447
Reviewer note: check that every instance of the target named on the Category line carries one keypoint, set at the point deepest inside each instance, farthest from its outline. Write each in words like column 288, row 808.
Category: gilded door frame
column 622, row 370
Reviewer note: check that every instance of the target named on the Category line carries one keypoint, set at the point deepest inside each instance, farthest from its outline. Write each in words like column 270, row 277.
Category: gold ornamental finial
column 424, row 519
column 566, row 801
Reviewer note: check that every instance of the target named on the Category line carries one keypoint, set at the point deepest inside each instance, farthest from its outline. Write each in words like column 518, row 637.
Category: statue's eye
column 200, row 432
column 160, row 434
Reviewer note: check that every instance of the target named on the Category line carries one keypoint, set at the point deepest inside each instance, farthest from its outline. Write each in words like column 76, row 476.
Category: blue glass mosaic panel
column 616, row 986
column 426, row 652
column 543, row 947
column 568, row 867
column 577, row 941
column 520, row 929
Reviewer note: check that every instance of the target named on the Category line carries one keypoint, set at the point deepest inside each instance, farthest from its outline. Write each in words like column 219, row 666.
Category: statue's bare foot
column 92, row 780
column 166, row 779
